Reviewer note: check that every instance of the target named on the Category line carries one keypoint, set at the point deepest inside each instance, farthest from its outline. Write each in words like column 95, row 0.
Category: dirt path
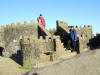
column 87, row 63
column 9, row 67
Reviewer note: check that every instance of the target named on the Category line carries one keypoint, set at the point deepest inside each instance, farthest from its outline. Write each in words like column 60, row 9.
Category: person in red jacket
column 41, row 19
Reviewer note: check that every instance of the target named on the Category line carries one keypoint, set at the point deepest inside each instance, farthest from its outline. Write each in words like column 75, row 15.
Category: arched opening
column 1, row 51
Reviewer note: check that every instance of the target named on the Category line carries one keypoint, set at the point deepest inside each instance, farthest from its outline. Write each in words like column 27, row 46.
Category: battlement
column 37, row 43
column 13, row 25
column 62, row 24
column 84, row 27
column 83, row 32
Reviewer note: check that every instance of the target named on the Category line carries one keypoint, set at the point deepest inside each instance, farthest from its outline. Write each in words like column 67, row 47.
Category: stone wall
column 43, row 32
column 84, row 34
column 36, row 51
column 30, row 51
column 47, row 49
column 2, row 42
column 63, row 32
column 30, row 44
column 11, row 34
column 60, row 50
column 25, row 43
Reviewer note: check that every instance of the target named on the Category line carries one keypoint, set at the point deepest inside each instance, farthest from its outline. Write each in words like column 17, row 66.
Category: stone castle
column 29, row 44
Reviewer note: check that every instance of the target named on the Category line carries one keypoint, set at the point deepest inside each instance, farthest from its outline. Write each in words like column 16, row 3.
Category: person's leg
column 77, row 47
column 74, row 45
column 69, row 44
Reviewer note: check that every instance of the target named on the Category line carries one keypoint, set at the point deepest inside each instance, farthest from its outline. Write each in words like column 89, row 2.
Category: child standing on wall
column 41, row 20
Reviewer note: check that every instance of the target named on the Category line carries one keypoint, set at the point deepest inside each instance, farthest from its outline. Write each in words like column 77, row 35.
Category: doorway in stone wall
column 1, row 51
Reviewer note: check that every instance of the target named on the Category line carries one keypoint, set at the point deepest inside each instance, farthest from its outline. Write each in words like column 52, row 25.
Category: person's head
column 40, row 14
column 71, row 27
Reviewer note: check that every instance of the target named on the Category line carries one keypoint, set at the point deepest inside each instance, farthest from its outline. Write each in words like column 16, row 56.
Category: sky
column 74, row 12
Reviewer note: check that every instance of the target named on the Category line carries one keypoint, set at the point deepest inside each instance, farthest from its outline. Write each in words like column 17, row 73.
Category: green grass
column 62, row 59
column 26, row 67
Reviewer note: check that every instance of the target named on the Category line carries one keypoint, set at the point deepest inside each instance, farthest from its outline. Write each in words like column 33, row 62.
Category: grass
column 62, row 59
column 26, row 67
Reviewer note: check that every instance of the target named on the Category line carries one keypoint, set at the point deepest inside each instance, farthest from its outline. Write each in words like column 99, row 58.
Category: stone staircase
column 62, row 52
column 63, row 26
column 45, row 30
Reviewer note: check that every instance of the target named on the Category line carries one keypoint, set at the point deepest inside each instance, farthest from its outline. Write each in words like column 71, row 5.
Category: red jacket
column 42, row 21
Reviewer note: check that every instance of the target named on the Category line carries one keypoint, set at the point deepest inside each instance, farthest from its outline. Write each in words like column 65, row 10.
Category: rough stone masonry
column 29, row 44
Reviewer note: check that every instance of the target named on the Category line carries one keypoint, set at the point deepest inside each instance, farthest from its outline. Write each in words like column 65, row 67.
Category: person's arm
column 38, row 19
column 75, row 35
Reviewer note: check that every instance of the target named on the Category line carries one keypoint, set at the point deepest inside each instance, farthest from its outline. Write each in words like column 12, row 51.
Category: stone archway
column 1, row 51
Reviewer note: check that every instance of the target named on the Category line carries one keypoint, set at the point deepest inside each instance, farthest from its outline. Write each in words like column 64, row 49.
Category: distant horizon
column 74, row 12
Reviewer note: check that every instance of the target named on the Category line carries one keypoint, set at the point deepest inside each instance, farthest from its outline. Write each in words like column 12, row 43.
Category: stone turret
column 12, row 34
column 30, row 51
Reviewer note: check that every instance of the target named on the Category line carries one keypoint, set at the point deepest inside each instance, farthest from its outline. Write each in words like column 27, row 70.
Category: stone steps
column 45, row 30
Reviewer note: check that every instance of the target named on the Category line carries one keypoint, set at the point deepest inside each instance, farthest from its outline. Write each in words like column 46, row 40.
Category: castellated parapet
column 30, row 51
column 11, row 34
column 84, row 34
column 36, row 50
column 30, row 44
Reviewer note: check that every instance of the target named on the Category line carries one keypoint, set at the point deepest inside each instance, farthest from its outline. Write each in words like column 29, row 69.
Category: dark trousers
column 73, row 46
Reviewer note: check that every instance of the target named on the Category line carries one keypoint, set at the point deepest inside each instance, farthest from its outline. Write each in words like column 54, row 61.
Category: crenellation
column 25, row 23
column 2, row 28
column 18, row 24
column 12, row 24
column 84, row 26
column 7, row 26
column 80, row 27
column 85, row 33
column 90, row 26
column 37, row 44
column 62, row 23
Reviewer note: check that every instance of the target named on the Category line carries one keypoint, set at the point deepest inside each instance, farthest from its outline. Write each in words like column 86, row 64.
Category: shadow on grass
column 17, row 57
